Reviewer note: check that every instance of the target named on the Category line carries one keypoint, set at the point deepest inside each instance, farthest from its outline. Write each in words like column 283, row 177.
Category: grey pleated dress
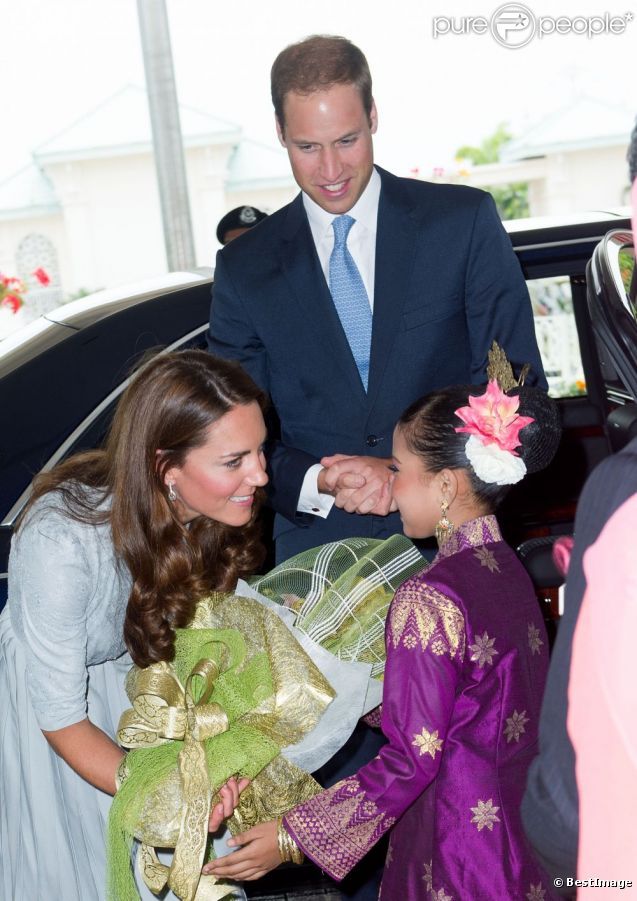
column 61, row 659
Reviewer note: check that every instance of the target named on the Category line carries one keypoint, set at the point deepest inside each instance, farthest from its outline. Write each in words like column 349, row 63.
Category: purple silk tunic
column 466, row 666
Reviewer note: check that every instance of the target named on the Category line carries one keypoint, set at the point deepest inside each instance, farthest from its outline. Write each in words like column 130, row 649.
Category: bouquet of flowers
column 238, row 691
column 249, row 694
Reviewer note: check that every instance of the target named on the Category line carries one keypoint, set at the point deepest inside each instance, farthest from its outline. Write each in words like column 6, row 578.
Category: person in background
column 550, row 807
column 237, row 222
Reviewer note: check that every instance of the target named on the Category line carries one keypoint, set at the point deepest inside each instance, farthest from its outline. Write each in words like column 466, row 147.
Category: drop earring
column 444, row 526
column 172, row 494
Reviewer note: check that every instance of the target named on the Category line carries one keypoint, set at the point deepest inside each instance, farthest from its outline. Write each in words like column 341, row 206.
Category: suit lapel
column 395, row 246
column 302, row 269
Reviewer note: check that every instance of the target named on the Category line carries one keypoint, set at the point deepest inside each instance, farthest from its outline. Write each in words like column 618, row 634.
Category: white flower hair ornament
column 493, row 424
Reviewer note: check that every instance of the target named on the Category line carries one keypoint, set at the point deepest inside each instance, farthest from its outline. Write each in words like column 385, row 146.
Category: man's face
column 328, row 137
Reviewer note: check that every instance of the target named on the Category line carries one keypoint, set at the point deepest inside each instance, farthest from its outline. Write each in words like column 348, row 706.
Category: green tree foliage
column 512, row 200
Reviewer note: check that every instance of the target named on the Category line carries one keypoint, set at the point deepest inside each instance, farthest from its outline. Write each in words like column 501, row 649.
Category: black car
column 61, row 376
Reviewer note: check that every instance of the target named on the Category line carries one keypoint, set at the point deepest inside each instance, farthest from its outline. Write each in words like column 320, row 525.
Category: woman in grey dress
column 110, row 556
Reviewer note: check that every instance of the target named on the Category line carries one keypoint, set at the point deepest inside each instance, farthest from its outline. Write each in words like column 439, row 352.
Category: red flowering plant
column 12, row 290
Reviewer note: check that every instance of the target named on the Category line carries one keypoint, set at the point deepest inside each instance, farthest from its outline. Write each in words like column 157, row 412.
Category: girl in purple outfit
column 466, row 666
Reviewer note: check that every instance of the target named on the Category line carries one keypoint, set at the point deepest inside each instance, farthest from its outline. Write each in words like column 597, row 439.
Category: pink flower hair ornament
column 493, row 418
column 493, row 425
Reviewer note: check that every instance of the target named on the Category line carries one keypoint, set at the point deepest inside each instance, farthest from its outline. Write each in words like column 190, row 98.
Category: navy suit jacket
column 446, row 284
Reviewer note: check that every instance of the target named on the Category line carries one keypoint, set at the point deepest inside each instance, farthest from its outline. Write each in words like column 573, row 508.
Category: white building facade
column 90, row 195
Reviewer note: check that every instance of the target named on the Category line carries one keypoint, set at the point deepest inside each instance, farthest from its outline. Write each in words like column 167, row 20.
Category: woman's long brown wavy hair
column 164, row 413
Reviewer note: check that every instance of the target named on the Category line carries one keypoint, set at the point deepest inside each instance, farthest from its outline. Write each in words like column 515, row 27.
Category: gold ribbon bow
column 164, row 710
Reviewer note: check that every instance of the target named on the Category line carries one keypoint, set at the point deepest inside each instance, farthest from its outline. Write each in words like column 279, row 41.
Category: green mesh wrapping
column 242, row 750
column 341, row 591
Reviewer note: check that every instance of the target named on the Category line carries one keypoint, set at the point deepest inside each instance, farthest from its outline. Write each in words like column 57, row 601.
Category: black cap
column 240, row 217
column 540, row 438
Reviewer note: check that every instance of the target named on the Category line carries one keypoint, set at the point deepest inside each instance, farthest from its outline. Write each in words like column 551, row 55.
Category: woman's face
column 417, row 492
column 219, row 479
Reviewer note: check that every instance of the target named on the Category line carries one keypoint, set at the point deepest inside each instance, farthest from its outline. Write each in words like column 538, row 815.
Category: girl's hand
column 228, row 802
column 258, row 854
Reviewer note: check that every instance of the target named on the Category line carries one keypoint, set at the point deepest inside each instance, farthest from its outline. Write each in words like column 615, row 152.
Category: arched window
column 37, row 252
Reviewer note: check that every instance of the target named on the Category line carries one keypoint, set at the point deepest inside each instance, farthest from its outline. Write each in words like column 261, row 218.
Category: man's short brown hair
column 315, row 64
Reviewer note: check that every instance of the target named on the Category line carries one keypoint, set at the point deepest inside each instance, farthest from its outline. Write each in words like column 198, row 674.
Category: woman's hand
column 258, row 854
column 228, row 802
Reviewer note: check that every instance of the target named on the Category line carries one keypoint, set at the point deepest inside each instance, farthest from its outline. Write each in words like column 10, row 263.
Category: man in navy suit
column 439, row 275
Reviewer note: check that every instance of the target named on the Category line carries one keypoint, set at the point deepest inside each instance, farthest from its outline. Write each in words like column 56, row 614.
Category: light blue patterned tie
column 350, row 297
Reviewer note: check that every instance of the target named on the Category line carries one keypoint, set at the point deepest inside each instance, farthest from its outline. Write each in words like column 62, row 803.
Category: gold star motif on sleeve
column 427, row 877
column 486, row 558
column 427, row 742
column 515, row 726
column 483, row 651
column 485, row 815
column 535, row 642
column 536, row 893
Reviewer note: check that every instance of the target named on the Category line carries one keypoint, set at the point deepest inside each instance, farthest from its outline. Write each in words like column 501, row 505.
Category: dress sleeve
column 425, row 638
column 50, row 583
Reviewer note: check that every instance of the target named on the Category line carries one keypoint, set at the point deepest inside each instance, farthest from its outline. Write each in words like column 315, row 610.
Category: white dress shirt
column 361, row 243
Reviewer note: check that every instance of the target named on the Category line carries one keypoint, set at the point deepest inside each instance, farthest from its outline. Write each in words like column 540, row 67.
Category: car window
column 556, row 335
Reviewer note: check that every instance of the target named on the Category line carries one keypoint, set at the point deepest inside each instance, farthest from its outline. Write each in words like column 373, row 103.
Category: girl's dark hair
column 429, row 427
column 164, row 413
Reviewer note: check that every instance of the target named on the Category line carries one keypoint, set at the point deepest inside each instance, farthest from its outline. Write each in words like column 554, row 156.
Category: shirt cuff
column 310, row 498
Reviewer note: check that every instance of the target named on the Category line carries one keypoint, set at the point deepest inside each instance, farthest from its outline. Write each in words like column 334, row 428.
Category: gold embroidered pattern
column 339, row 826
column 440, row 895
column 536, row 893
column 535, row 642
column 483, row 650
column 485, row 815
column 420, row 615
column 486, row 558
column 476, row 533
column 427, row 742
column 427, row 877
column 515, row 726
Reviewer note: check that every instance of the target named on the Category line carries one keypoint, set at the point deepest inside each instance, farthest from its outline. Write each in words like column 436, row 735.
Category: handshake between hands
column 358, row 484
